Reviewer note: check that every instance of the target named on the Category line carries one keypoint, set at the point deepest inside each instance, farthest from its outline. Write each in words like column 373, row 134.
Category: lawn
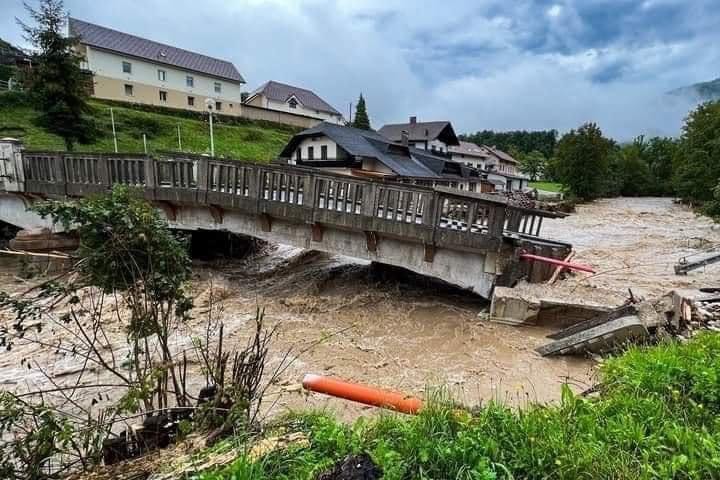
column 257, row 141
column 655, row 417
column 547, row 186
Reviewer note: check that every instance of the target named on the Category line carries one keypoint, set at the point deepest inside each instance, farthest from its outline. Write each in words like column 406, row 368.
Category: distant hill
column 702, row 91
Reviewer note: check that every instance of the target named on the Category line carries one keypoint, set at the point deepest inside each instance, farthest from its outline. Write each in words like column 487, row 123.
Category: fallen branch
column 559, row 269
column 34, row 254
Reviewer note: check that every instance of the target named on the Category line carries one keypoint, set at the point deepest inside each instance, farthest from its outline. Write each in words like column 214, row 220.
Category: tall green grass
column 656, row 417
column 257, row 141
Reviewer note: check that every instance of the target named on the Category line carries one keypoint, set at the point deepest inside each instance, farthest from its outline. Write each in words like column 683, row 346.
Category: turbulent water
column 390, row 328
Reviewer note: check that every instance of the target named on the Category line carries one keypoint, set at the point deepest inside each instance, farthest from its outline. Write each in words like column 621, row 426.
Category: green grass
column 257, row 141
column 547, row 186
column 657, row 417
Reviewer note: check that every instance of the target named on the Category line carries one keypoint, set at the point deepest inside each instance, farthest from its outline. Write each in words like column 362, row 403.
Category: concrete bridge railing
column 441, row 217
column 462, row 237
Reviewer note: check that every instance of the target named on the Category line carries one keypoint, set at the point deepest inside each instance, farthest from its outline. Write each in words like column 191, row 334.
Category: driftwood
column 559, row 269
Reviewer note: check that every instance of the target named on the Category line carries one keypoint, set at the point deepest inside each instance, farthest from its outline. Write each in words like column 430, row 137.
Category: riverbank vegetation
column 656, row 415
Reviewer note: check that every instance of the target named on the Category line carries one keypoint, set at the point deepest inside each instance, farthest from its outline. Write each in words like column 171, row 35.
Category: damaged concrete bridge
column 468, row 239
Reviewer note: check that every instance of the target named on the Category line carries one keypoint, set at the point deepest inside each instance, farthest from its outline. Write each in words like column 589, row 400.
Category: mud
column 393, row 329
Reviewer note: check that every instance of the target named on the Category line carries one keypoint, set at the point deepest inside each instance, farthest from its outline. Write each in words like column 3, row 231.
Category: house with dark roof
column 129, row 68
column 436, row 137
column 364, row 153
column 287, row 98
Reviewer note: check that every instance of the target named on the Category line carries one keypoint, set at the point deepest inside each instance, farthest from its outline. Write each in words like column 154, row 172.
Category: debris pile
column 680, row 313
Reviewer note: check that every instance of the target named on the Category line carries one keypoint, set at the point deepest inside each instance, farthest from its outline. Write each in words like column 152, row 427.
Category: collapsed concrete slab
column 600, row 338
column 515, row 307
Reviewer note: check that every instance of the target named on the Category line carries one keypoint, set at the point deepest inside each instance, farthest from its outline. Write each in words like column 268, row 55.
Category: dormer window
column 292, row 103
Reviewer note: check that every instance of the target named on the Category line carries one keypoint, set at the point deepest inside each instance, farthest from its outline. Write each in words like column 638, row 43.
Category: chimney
column 404, row 137
column 413, row 120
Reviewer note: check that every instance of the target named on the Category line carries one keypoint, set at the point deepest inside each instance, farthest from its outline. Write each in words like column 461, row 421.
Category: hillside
column 235, row 138
column 702, row 91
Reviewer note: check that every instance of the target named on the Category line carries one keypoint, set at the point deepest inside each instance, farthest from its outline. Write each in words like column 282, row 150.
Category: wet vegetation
column 655, row 416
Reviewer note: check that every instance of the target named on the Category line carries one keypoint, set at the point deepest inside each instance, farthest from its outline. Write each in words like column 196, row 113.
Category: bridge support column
column 265, row 222
column 371, row 239
column 317, row 232
column 429, row 252
column 12, row 177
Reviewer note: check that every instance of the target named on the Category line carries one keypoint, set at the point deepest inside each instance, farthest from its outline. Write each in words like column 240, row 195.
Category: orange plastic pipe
column 362, row 394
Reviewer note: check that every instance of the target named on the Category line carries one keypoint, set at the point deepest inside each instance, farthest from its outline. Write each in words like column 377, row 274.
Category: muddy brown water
column 395, row 330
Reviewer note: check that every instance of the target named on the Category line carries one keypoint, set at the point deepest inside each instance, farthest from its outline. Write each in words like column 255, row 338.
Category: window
column 218, row 106
column 163, row 96
column 191, row 101
column 323, row 152
column 293, row 103
column 189, row 81
column 128, row 90
column 218, row 87
column 127, row 67
column 162, row 75
column 311, row 153
column 298, row 155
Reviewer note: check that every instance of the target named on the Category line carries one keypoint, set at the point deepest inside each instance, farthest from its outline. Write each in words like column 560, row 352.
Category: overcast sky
column 499, row 65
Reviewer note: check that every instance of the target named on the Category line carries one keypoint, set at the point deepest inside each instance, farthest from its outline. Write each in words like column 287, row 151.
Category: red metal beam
column 555, row 261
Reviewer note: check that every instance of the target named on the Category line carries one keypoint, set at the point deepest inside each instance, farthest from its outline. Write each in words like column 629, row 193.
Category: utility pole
column 179, row 139
column 350, row 113
column 209, row 103
column 112, row 120
column 145, row 143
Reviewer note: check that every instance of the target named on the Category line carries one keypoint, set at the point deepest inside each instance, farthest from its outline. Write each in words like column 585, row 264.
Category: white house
column 133, row 69
column 290, row 99
column 437, row 137
column 498, row 167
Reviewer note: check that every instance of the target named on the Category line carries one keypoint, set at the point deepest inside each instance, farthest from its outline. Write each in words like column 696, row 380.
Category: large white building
column 133, row 69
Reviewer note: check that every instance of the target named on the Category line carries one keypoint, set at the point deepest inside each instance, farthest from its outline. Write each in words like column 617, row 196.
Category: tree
column 543, row 141
column 362, row 120
column 56, row 82
column 533, row 164
column 697, row 159
column 583, row 161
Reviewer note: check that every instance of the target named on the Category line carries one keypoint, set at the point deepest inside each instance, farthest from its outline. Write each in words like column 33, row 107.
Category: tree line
column 591, row 165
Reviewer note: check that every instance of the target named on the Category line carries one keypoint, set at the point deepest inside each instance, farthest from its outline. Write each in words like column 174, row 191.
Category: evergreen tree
column 56, row 83
column 362, row 120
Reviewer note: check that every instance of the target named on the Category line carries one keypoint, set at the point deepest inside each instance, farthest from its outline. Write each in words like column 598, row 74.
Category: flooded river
column 393, row 329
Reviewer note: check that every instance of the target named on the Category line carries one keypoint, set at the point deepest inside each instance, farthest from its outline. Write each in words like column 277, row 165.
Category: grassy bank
column 547, row 186
column 656, row 417
column 259, row 141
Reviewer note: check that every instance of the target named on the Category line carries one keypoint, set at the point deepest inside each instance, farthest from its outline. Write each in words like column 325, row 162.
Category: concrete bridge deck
column 468, row 239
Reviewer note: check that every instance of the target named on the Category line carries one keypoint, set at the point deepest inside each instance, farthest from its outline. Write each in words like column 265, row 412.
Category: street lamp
column 210, row 104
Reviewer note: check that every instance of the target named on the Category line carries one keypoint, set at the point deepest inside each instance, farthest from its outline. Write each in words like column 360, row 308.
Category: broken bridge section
column 469, row 239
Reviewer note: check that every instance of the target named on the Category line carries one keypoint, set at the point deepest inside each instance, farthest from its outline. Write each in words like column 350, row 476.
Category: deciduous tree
column 583, row 161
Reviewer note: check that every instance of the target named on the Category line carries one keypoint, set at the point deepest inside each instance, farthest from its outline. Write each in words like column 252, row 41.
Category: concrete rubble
column 593, row 328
